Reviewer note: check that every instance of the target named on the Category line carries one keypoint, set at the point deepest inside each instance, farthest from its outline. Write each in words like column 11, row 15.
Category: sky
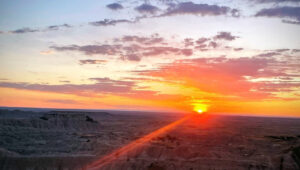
column 233, row 57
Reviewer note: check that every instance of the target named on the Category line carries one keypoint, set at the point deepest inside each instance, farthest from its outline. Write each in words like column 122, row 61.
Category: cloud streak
column 24, row 30
column 89, row 61
column 191, row 8
column 102, row 85
column 49, row 28
column 110, row 22
column 152, row 40
column 287, row 12
column 132, row 48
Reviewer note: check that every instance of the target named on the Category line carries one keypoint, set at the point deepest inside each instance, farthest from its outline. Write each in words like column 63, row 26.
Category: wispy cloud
column 129, row 47
column 31, row 30
column 89, row 61
column 99, row 88
column 197, row 9
column 24, row 30
column 109, row 22
column 65, row 81
column 152, row 40
column 101, row 85
column 126, row 52
column 134, row 48
column 57, row 27
column 269, row 54
column 105, row 49
column 238, row 49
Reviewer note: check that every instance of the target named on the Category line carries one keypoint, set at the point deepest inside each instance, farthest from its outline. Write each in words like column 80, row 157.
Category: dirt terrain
column 80, row 140
column 67, row 140
column 218, row 142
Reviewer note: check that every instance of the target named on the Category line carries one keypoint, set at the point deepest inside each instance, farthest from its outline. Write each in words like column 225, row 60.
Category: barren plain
column 104, row 140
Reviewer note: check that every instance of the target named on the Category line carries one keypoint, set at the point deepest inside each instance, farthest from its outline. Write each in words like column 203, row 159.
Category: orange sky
column 214, row 56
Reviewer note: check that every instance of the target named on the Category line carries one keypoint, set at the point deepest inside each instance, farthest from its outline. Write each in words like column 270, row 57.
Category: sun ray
column 137, row 143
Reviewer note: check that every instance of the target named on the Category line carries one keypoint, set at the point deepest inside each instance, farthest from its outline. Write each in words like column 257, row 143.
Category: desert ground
column 109, row 140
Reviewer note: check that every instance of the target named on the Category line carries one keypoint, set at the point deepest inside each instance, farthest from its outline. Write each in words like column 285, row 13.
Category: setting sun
column 199, row 107
column 149, row 84
column 200, row 111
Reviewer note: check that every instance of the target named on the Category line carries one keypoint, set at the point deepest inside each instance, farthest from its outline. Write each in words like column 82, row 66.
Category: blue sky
column 40, row 13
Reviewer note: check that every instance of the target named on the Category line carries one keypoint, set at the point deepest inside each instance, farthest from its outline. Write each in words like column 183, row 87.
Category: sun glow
column 200, row 108
column 199, row 111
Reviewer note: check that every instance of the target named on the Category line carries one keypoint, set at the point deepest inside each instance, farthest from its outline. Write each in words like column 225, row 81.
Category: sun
column 200, row 108
column 199, row 111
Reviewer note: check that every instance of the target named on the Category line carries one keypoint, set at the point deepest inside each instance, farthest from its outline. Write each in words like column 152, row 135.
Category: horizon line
column 155, row 111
